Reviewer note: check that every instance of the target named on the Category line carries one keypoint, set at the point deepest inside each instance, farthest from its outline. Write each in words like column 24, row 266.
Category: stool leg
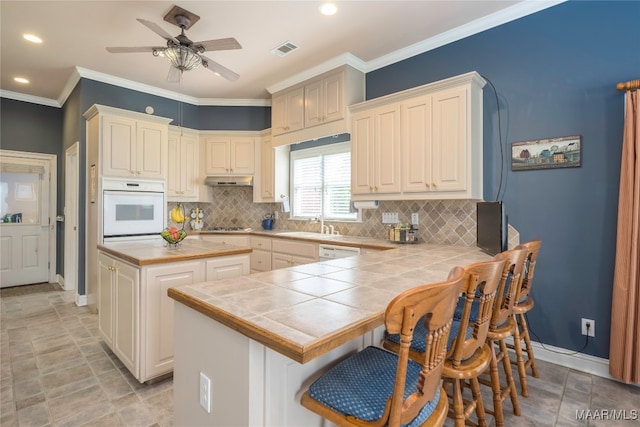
column 458, row 403
column 527, row 341
column 506, row 363
column 477, row 397
column 522, row 369
column 496, row 388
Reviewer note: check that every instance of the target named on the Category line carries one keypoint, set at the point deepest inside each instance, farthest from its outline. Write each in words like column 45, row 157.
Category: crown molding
column 517, row 11
column 340, row 60
column 29, row 98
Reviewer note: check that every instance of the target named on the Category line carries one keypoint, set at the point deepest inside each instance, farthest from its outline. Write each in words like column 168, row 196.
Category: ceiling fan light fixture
column 182, row 58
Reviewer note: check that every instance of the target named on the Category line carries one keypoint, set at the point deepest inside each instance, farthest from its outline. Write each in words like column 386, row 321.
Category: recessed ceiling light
column 21, row 80
column 328, row 9
column 32, row 38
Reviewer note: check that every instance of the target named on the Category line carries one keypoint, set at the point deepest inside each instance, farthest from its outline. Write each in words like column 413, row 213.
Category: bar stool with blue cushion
column 379, row 387
column 468, row 353
column 501, row 327
column 524, row 304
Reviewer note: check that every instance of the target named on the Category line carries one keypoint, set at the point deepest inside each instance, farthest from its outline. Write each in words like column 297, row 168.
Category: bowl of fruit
column 173, row 236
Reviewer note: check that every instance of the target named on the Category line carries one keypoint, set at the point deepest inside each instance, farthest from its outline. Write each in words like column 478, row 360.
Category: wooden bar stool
column 524, row 303
column 501, row 327
column 469, row 354
column 379, row 387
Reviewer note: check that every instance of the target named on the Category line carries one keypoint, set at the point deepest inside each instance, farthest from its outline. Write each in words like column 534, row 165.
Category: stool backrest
column 533, row 248
column 436, row 303
column 509, row 286
column 480, row 286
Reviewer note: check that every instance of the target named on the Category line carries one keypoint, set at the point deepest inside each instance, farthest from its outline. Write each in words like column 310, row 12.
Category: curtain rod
column 630, row 85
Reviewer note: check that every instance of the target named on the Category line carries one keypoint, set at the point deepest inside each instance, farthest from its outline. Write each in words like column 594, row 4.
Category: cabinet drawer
column 260, row 243
column 260, row 260
column 227, row 239
column 300, row 249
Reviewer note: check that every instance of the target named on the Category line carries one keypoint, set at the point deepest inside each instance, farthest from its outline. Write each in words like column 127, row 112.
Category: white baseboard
column 81, row 300
column 570, row 359
column 60, row 280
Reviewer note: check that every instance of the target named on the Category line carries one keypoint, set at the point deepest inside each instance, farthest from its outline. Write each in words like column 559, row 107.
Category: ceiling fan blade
column 174, row 75
column 220, row 70
column 219, row 44
column 134, row 49
column 158, row 30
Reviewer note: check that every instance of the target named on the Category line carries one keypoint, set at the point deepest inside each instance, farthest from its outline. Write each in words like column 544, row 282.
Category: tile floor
column 56, row 371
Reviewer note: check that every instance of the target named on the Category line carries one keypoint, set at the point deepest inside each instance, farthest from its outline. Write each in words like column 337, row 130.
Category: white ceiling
column 366, row 34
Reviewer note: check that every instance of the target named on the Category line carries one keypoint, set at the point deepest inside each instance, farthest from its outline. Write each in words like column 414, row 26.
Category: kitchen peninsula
column 261, row 339
column 135, row 315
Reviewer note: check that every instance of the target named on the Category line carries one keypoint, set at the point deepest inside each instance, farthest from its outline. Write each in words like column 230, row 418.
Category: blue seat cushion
column 475, row 308
column 419, row 334
column 360, row 385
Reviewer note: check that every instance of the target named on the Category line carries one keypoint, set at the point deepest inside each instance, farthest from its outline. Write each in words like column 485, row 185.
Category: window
column 321, row 182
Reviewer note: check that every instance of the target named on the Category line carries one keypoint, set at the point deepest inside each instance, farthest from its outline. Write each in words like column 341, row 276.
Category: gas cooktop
column 228, row 229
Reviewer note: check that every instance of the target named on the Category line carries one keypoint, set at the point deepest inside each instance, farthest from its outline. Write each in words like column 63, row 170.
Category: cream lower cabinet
column 227, row 239
column 118, row 315
column 135, row 315
column 289, row 253
column 261, row 255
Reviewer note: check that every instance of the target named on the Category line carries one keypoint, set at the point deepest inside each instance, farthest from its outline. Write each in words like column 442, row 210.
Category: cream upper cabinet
column 183, row 177
column 438, row 142
column 324, row 100
column 375, row 151
column 287, row 111
column 317, row 107
column 133, row 148
column 272, row 180
column 229, row 155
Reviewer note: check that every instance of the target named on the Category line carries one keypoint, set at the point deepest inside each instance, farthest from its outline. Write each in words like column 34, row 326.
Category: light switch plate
column 389, row 217
column 415, row 219
column 205, row 392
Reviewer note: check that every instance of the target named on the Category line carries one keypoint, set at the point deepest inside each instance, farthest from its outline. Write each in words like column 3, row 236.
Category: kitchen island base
column 251, row 384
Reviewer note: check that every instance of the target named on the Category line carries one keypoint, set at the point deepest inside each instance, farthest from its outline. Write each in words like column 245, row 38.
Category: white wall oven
column 132, row 210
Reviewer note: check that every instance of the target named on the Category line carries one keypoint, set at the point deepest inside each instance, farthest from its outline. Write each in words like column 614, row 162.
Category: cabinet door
column 157, row 319
column 387, row 150
column 217, row 156
column 242, row 156
column 105, row 298
column 151, row 150
column 260, row 260
column 362, row 153
column 228, row 266
column 125, row 340
column 313, row 104
column 333, row 98
column 119, row 151
column 267, row 177
column 295, row 109
column 174, row 169
column 279, row 260
column 189, row 170
column 450, row 140
column 416, row 143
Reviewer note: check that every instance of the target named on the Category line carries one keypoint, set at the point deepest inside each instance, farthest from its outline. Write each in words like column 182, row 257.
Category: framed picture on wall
column 550, row 153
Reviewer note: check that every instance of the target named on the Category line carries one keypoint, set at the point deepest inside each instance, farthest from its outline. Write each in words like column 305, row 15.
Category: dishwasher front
column 327, row 252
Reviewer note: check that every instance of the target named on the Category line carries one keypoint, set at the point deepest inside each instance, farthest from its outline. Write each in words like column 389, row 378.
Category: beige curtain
column 624, row 351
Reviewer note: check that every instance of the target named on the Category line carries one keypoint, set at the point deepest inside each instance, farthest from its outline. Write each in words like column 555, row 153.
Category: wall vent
column 284, row 49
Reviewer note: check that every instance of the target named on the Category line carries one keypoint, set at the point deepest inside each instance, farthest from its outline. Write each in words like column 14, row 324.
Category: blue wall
column 555, row 74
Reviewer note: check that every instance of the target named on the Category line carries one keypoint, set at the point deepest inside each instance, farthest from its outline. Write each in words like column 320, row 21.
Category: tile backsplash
column 450, row 222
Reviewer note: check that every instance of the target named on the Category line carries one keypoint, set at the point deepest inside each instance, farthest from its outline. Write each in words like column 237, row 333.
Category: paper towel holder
column 366, row 204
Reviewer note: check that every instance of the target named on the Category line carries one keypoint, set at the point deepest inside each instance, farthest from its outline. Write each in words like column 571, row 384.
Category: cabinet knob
column 434, row 184
column 259, row 262
column 376, row 187
column 370, row 188
column 426, row 184
column 231, row 170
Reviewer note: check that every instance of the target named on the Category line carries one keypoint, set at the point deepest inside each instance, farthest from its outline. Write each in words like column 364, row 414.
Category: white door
column 71, row 218
column 24, row 232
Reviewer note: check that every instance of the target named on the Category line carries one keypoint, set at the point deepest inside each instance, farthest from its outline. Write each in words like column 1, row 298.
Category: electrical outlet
column 389, row 217
column 592, row 327
column 205, row 392
column 415, row 219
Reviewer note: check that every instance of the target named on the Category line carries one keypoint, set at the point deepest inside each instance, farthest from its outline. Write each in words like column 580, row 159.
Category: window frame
column 322, row 150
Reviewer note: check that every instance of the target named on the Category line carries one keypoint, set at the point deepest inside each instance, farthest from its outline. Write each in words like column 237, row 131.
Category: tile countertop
column 147, row 253
column 305, row 311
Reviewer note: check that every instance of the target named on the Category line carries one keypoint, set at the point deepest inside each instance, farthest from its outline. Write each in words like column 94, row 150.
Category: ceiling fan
column 182, row 53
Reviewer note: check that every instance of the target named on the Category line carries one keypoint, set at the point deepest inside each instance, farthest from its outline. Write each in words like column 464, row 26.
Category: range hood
column 229, row 181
